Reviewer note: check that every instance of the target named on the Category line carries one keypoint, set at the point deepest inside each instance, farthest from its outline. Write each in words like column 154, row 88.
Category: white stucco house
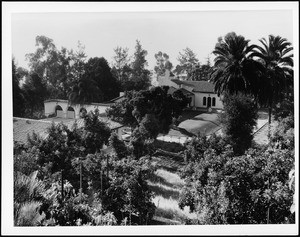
column 202, row 93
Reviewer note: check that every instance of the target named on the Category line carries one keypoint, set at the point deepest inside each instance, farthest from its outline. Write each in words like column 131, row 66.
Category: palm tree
column 234, row 71
column 277, row 61
column 85, row 92
column 28, row 198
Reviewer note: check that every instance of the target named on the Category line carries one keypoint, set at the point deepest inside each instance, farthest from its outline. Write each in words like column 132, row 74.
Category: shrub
column 226, row 189
column 238, row 121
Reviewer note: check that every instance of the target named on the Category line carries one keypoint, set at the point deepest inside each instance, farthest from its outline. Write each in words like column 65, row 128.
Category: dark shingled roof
column 198, row 86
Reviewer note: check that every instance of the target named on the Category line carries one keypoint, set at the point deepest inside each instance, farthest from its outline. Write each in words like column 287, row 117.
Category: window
column 204, row 100
column 214, row 101
column 58, row 107
column 209, row 102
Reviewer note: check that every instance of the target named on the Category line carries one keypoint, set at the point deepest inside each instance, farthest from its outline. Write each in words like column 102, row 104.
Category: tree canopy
column 154, row 105
column 162, row 63
column 187, row 61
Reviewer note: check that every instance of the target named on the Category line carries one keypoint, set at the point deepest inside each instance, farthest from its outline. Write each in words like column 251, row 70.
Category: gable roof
column 198, row 86
column 185, row 91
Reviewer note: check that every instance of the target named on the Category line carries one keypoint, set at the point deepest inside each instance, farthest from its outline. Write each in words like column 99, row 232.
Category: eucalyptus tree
column 277, row 80
column 162, row 63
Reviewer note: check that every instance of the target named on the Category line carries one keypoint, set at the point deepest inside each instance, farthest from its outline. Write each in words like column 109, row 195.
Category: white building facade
column 63, row 109
column 202, row 94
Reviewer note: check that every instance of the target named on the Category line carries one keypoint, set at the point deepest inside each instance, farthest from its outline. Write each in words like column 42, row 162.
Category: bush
column 128, row 194
column 227, row 189
column 238, row 120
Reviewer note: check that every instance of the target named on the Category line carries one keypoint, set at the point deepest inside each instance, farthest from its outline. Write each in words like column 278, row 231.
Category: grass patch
column 168, row 208
column 166, row 185
column 164, row 190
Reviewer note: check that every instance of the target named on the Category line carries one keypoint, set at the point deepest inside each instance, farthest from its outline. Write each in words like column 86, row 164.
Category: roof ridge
column 35, row 120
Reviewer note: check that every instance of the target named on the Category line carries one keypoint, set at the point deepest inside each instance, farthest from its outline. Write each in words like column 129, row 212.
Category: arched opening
column 204, row 101
column 70, row 113
column 82, row 112
column 209, row 102
column 59, row 111
column 214, row 101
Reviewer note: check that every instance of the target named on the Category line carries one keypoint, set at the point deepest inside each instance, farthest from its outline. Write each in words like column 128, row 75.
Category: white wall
column 199, row 100
column 92, row 107
column 49, row 107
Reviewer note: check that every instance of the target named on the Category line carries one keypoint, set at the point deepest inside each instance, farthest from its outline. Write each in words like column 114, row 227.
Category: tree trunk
column 270, row 114
column 270, row 120
column 107, row 165
column 80, row 182
column 62, row 187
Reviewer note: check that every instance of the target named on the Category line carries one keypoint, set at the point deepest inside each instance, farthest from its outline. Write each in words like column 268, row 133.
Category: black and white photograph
column 150, row 118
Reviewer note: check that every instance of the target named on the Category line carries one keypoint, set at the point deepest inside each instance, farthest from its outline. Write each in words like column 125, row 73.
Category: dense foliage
column 226, row 189
column 76, row 183
column 151, row 111
column 238, row 121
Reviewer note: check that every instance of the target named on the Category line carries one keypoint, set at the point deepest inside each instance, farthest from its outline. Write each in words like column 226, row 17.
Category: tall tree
column 18, row 97
column 85, row 92
column 98, row 70
column 140, row 76
column 52, row 65
column 78, row 62
column 120, row 66
column 275, row 56
column 162, row 63
column 187, row 61
column 233, row 69
column 35, row 92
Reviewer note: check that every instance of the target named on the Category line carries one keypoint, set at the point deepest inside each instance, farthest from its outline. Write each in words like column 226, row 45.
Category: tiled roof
column 185, row 91
column 199, row 86
column 23, row 126
column 80, row 123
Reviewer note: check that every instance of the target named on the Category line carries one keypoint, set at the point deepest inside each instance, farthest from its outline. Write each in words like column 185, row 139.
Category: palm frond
column 28, row 214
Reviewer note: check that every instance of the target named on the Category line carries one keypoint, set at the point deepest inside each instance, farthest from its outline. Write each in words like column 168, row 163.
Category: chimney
column 122, row 93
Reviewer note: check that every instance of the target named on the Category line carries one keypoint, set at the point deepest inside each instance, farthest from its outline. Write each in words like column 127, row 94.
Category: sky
column 169, row 32
column 166, row 26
